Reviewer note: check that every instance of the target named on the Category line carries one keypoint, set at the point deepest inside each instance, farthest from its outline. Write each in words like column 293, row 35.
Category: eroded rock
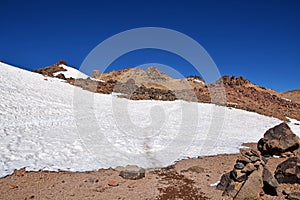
column 278, row 140
column 289, row 170
column 132, row 172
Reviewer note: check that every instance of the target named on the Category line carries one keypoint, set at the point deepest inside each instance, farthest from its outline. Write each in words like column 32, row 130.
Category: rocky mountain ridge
column 152, row 84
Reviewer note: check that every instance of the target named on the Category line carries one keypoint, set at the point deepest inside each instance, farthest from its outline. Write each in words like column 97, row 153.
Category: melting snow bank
column 52, row 125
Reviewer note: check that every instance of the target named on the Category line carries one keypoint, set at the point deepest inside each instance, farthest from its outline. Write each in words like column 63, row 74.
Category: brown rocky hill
column 152, row 84
column 150, row 78
column 293, row 95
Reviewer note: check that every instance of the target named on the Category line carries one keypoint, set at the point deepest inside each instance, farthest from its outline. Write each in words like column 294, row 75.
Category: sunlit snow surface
column 52, row 125
column 71, row 72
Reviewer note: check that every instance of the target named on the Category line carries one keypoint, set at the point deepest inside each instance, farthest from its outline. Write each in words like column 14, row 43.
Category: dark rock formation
column 270, row 184
column 61, row 76
column 249, row 179
column 289, row 170
column 239, row 81
column 278, row 140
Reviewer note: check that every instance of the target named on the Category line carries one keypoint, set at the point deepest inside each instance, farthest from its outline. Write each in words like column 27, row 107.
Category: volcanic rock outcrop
column 289, row 170
column 50, row 70
column 279, row 140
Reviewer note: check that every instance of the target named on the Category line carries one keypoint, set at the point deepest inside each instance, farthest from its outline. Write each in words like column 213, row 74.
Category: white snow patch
column 71, row 72
column 198, row 81
column 287, row 99
column 232, row 104
column 244, row 147
column 274, row 156
column 215, row 184
column 55, row 126
column 99, row 80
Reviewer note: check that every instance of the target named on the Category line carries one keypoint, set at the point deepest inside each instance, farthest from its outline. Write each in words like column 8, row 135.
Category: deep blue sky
column 259, row 40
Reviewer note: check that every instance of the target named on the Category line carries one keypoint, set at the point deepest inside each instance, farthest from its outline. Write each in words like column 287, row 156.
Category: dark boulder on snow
column 61, row 76
column 278, row 140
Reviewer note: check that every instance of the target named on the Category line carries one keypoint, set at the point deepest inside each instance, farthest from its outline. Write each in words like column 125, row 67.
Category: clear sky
column 259, row 40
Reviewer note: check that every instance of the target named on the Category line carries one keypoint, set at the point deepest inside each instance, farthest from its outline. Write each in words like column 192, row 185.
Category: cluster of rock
column 131, row 91
column 143, row 93
column 92, row 85
column 227, row 80
column 50, row 70
column 251, row 178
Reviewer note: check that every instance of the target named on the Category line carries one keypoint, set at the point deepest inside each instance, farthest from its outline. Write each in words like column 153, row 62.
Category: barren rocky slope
column 293, row 95
column 152, row 84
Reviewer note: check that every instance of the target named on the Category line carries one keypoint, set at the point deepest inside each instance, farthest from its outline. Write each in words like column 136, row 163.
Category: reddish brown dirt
column 174, row 182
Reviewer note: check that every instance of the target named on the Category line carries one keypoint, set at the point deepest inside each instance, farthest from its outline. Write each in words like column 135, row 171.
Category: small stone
column 240, row 177
column 249, row 168
column 257, row 163
column 132, row 185
column 239, row 165
column 196, row 169
column 286, row 192
column 264, row 160
column 256, row 153
column 113, row 183
column 254, row 158
column 233, row 174
column 294, row 196
column 11, row 187
column 270, row 183
column 243, row 160
column 286, row 154
column 233, row 189
column 132, row 172
column 20, row 172
column 93, row 180
column 225, row 181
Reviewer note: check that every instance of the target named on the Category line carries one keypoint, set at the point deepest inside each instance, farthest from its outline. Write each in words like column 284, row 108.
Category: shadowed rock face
column 278, row 140
column 289, row 170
